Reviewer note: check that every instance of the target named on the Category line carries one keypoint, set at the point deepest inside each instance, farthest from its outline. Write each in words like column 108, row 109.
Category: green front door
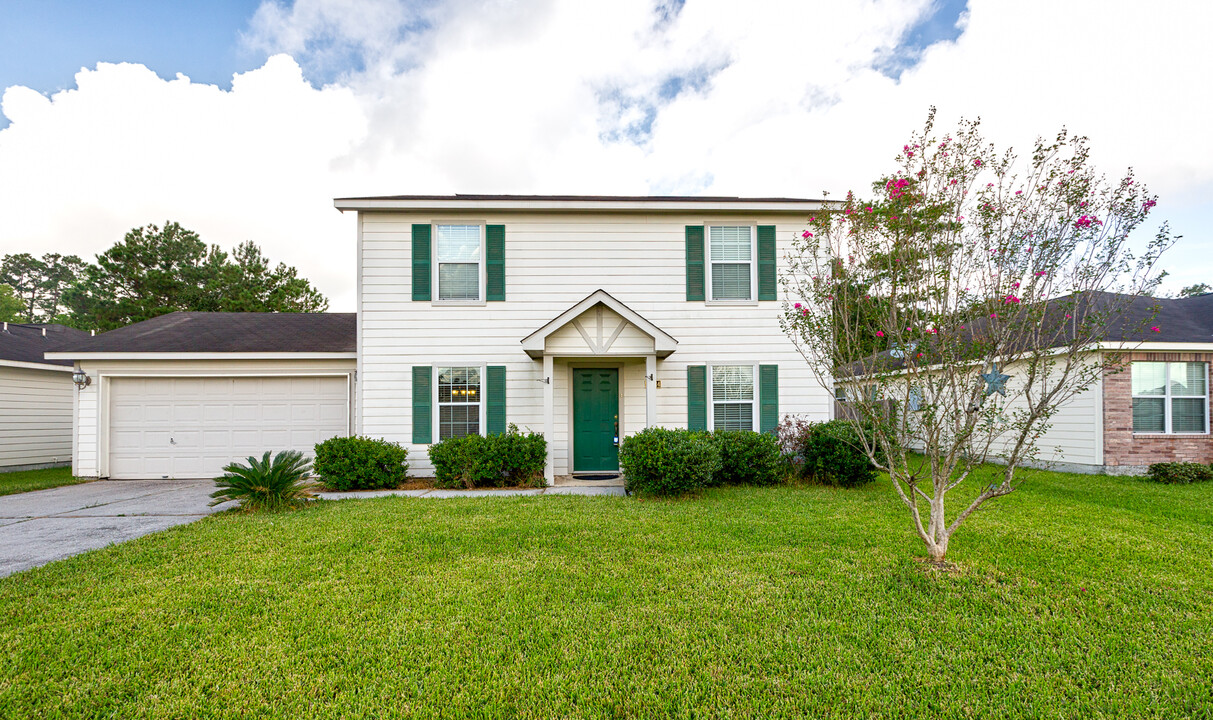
column 595, row 419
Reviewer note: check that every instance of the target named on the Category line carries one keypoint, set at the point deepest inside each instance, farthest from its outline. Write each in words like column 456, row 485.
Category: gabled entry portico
column 595, row 357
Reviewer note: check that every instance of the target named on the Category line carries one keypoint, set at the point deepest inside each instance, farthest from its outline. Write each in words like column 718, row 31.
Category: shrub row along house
column 584, row 318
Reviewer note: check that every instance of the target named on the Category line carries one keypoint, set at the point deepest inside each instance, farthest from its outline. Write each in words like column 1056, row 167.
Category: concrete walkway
column 46, row 525
column 600, row 489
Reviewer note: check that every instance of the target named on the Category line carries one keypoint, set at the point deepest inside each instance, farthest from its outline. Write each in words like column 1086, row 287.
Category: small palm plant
column 266, row 484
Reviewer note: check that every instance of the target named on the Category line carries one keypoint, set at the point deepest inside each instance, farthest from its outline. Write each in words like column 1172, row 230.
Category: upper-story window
column 733, row 397
column 731, row 252
column 1170, row 397
column 458, row 262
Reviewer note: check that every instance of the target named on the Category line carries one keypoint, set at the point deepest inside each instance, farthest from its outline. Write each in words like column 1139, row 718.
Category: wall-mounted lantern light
column 81, row 379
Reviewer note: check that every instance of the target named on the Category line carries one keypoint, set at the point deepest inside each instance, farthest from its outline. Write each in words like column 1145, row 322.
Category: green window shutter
column 494, row 396
column 766, row 262
column 421, row 263
column 768, row 397
column 494, row 251
column 697, row 397
column 423, row 394
column 694, row 234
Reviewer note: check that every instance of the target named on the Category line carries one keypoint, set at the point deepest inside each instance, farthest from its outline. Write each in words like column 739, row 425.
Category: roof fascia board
column 36, row 366
column 201, row 356
column 580, row 206
column 1151, row 346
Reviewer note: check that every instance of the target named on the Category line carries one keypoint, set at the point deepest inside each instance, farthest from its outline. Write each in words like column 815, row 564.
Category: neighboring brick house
column 1151, row 402
column 1156, row 409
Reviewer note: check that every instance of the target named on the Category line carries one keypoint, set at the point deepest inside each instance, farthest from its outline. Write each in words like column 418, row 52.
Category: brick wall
column 1121, row 446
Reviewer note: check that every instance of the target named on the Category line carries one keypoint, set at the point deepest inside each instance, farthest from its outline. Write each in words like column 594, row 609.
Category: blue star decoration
column 996, row 382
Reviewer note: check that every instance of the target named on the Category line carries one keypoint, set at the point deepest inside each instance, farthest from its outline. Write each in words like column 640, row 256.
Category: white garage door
column 192, row 427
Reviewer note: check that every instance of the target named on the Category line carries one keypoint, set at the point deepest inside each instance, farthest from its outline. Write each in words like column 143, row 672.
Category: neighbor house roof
column 1179, row 321
column 220, row 332
column 581, row 203
column 26, row 343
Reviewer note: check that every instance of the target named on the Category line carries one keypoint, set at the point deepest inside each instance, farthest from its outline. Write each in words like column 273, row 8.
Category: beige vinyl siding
column 35, row 417
column 1074, row 435
column 92, row 419
column 553, row 261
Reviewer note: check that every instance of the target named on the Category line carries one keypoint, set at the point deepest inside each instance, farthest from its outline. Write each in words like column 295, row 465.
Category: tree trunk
column 938, row 549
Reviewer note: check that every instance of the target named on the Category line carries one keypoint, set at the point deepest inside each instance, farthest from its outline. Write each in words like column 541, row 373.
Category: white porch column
column 650, row 390
column 549, row 424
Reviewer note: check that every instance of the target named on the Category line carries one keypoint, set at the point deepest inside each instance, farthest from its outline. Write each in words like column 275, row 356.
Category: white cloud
column 571, row 96
column 126, row 148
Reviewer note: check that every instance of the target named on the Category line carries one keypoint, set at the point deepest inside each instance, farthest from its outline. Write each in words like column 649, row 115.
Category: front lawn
column 27, row 480
column 1075, row 597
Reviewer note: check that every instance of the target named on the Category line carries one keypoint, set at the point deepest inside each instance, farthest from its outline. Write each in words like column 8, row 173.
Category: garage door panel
column 277, row 440
column 217, row 413
column 186, row 412
column 192, row 427
column 333, row 412
column 275, row 412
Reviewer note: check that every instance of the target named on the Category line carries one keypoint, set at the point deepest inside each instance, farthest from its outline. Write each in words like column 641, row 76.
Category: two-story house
column 584, row 318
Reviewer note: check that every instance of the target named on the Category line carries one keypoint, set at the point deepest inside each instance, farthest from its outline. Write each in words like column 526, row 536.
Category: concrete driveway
column 45, row 525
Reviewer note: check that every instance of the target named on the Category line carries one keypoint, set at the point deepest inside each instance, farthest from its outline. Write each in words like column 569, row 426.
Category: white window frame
column 436, row 294
column 437, row 411
column 707, row 258
column 1167, row 396
column 712, row 396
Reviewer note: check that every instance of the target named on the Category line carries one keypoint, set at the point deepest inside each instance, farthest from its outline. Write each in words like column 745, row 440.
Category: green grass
column 1076, row 596
column 27, row 480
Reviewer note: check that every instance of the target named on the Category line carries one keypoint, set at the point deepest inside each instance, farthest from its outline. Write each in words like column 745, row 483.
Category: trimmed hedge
column 1180, row 473
column 748, row 458
column 508, row 459
column 660, row 461
column 828, row 453
column 360, row 463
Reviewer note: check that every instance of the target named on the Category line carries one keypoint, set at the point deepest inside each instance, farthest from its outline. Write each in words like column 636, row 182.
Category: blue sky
column 44, row 43
column 351, row 97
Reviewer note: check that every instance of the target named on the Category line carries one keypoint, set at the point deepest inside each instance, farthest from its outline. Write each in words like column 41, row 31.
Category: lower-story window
column 1170, row 397
column 458, row 402
column 733, row 397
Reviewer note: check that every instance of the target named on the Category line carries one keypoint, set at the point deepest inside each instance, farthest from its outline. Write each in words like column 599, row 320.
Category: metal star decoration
column 996, row 382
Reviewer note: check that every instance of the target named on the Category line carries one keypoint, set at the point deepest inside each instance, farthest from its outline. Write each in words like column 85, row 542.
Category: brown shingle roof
column 220, row 332
column 26, row 343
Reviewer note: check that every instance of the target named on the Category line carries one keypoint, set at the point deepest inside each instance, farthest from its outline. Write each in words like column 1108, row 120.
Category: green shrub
column 509, row 459
column 748, row 458
column 659, row 461
column 830, row 453
column 266, row 484
column 361, row 463
column 1180, row 473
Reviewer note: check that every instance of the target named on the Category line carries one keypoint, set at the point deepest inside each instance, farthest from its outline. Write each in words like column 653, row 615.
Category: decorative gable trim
column 663, row 343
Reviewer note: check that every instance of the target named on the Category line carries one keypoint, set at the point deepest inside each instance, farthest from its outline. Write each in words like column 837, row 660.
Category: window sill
column 1169, row 434
column 458, row 303
column 732, row 303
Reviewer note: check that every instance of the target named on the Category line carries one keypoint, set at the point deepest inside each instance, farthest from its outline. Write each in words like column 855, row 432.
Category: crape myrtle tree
column 985, row 280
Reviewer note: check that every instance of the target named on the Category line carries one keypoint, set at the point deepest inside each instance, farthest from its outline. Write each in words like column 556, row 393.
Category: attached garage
column 182, row 395
column 190, row 427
